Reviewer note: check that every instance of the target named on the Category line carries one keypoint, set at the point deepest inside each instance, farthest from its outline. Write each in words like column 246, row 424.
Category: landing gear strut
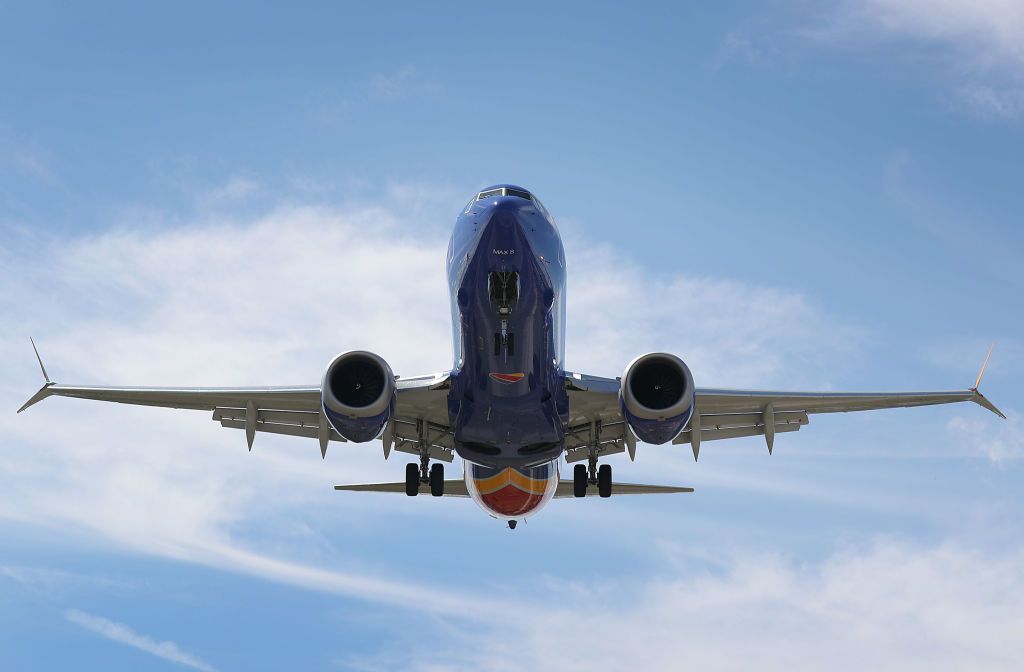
column 589, row 474
column 424, row 472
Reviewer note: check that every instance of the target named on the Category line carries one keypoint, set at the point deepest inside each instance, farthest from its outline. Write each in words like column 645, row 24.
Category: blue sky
column 786, row 194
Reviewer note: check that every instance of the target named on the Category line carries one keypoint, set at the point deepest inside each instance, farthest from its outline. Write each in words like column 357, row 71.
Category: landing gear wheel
column 412, row 479
column 604, row 480
column 437, row 480
column 579, row 480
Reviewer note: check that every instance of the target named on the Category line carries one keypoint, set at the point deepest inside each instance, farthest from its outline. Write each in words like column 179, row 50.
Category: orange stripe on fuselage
column 510, row 476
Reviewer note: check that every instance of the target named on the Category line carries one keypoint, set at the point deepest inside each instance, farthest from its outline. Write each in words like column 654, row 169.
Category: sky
column 786, row 194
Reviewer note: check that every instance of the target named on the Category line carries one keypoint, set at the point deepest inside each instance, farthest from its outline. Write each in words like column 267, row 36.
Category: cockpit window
column 488, row 194
column 504, row 191
column 518, row 192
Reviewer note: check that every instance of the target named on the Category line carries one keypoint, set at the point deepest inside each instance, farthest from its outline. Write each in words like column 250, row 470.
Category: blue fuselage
column 506, row 274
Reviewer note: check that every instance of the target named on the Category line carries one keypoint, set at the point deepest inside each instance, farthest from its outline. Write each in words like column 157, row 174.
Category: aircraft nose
column 505, row 216
column 504, row 235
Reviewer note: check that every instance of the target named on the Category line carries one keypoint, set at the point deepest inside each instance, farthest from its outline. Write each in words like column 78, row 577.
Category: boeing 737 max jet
column 508, row 407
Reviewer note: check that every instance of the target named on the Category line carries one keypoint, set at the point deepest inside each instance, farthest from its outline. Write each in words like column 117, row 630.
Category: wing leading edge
column 726, row 414
column 290, row 410
column 421, row 411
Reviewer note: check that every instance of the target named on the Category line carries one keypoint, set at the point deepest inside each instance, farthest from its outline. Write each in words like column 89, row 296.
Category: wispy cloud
column 888, row 605
column 930, row 205
column 985, row 33
column 26, row 158
column 730, row 333
column 402, row 84
column 234, row 189
column 1000, row 441
column 123, row 634
column 978, row 45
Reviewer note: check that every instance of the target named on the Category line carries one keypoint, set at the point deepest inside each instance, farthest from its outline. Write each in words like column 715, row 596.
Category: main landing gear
column 426, row 473
column 414, row 476
column 590, row 474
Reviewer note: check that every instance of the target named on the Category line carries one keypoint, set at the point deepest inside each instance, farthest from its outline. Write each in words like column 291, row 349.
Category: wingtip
column 980, row 398
column 43, row 393
column 983, row 401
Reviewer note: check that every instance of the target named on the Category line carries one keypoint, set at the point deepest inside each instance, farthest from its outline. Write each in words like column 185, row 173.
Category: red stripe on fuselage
column 508, row 377
column 511, row 501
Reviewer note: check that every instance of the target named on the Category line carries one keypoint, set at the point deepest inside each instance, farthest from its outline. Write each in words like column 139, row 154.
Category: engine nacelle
column 656, row 395
column 358, row 394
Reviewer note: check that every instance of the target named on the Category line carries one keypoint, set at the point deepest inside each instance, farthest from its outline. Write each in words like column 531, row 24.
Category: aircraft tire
column 579, row 480
column 437, row 480
column 412, row 479
column 604, row 480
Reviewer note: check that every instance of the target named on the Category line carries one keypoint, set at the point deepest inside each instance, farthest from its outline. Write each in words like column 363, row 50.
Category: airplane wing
column 457, row 488
column 292, row 410
column 727, row 414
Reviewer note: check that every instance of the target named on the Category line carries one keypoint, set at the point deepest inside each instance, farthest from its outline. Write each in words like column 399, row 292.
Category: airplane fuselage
column 507, row 403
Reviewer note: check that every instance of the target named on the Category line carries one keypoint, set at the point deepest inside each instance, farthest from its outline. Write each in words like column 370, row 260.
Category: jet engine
column 656, row 395
column 358, row 394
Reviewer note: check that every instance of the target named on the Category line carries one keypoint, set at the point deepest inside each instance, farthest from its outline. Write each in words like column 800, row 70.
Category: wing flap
column 280, row 428
column 735, row 432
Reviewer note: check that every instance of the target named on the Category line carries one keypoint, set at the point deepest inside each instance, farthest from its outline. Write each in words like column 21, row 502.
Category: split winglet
column 48, row 381
column 983, row 367
column 979, row 398
column 44, row 391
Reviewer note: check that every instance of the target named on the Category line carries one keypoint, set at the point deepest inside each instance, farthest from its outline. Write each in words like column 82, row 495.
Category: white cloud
column 979, row 44
column 730, row 333
column 122, row 634
column 991, row 102
column 889, row 606
column 985, row 33
column 1000, row 441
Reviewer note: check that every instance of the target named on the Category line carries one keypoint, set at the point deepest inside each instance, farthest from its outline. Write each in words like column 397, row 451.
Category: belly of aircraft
column 503, row 400
column 512, row 492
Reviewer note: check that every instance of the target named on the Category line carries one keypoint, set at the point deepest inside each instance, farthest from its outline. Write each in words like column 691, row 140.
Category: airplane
column 508, row 408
